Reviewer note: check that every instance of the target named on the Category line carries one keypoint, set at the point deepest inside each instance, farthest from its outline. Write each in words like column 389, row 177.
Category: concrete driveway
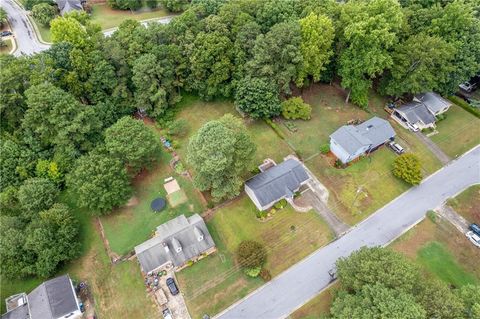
column 25, row 36
column 303, row 281
column 454, row 218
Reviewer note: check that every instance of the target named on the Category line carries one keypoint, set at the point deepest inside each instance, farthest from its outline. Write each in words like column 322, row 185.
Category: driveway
column 453, row 217
column 25, row 36
column 303, row 281
column 442, row 157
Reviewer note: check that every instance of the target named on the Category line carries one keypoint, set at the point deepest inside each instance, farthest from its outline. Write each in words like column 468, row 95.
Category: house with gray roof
column 350, row 142
column 53, row 299
column 175, row 243
column 66, row 6
column 276, row 183
column 421, row 112
column 433, row 102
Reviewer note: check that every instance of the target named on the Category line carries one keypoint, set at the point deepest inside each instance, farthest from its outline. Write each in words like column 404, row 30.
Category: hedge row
column 464, row 105
column 275, row 127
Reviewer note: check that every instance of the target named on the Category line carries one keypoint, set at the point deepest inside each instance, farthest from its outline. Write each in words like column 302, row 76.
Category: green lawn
column 467, row 204
column 198, row 112
column 131, row 225
column 458, row 133
column 215, row 282
column 44, row 32
column 108, row 18
column 436, row 259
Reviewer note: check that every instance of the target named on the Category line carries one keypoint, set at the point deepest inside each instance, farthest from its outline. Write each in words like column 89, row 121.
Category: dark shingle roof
column 415, row 112
column 372, row 133
column 278, row 181
column 20, row 312
column 52, row 299
column 433, row 101
column 178, row 232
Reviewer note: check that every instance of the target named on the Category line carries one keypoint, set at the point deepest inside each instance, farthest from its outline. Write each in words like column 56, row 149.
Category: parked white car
column 413, row 127
column 474, row 238
column 396, row 148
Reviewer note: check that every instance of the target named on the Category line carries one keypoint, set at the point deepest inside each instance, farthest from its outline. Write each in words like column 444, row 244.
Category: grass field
column 198, row 112
column 44, row 32
column 108, row 18
column 318, row 306
column 467, row 204
column 458, row 133
column 129, row 226
column 220, row 280
column 441, row 251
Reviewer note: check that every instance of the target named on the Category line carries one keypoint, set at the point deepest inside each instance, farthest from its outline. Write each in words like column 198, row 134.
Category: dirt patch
column 132, row 202
column 413, row 240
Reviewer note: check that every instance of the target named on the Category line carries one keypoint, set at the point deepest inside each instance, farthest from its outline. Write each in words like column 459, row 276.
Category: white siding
column 252, row 196
column 343, row 155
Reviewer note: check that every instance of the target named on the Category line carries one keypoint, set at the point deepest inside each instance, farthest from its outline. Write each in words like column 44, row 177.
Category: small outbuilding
column 276, row 183
column 350, row 142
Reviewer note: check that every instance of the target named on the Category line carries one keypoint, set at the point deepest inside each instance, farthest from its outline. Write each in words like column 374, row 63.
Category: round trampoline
column 158, row 204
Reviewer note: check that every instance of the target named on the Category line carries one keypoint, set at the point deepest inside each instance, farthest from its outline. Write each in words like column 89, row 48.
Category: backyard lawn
column 216, row 282
column 458, row 133
column 108, row 18
column 198, row 112
column 467, row 204
column 131, row 225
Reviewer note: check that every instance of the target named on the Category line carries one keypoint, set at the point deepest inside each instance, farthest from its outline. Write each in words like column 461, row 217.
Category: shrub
column 261, row 214
column 295, row 108
column 325, row 148
column 253, row 272
column 178, row 127
column 339, row 164
column 189, row 263
column 44, row 13
column 441, row 117
column 265, row 274
column 210, row 205
column 280, row 204
column 432, row 215
column 29, row 4
column 276, row 128
column 251, row 254
column 407, row 167
column 179, row 168
column 464, row 105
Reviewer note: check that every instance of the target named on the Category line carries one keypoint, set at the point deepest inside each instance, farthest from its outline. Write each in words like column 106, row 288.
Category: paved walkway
column 442, row 157
column 453, row 217
column 303, row 281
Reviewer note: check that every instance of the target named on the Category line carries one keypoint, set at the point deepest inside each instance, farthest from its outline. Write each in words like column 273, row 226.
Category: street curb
column 37, row 31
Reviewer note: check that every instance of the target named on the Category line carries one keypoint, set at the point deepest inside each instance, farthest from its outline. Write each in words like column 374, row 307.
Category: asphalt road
column 306, row 279
column 25, row 36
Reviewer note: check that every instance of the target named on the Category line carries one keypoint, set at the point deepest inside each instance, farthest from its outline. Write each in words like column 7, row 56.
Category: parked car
column 474, row 238
column 5, row 33
column 167, row 314
column 396, row 147
column 172, row 286
column 475, row 228
column 413, row 127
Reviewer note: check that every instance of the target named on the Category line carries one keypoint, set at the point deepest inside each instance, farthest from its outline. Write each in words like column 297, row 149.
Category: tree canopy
column 407, row 167
column 220, row 153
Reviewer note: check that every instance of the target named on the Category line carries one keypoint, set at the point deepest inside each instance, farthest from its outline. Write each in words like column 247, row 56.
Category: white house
column 350, row 142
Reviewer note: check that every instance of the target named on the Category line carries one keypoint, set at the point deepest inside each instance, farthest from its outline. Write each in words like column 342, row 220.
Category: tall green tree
column 408, row 167
column 16, row 162
column 422, row 63
column 316, row 46
column 277, row 55
column 37, row 194
column 376, row 301
column 99, row 183
column 3, row 17
column 257, row 97
column 44, row 13
column 174, row 5
column 368, row 35
column 220, row 153
column 132, row 142
column 439, row 300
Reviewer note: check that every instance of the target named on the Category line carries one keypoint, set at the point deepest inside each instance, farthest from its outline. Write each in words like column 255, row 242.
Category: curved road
column 25, row 36
column 306, row 279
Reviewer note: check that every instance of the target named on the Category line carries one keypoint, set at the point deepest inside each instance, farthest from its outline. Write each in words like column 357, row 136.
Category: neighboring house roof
column 53, row 299
column 66, row 6
column 415, row 112
column 278, row 182
column 180, row 233
column 434, row 102
column 371, row 133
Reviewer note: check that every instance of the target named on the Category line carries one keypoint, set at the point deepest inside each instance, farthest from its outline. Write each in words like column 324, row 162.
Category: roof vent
column 165, row 246
column 198, row 233
column 176, row 245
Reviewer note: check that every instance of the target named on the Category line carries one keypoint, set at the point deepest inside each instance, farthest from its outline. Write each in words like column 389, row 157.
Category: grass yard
column 198, row 112
column 108, row 18
column 131, row 225
column 458, row 133
column 44, row 32
column 318, row 306
column 441, row 251
column 467, row 204
column 216, row 282
column 8, row 46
